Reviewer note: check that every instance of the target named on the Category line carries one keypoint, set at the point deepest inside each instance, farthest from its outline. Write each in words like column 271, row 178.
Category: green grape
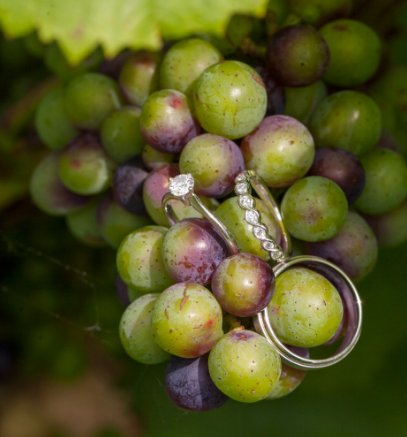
column 390, row 227
column 386, row 181
column 139, row 260
column 187, row 320
column 185, row 61
column 116, row 222
column 120, row 134
column 51, row 121
column 84, row 168
column 138, row 77
column 280, row 150
column 244, row 366
column 47, row 191
column 314, row 209
column 306, row 309
column 136, row 334
column 300, row 102
column 232, row 215
column 90, row 98
column 153, row 159
column 83, row 225
column 390, row 91
column 290, row 379
column 347, row 119
column 355, row 52
column 229, row 99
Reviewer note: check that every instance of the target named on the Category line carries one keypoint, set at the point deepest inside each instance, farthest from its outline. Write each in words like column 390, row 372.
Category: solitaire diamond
column 181, row 185
column 252, row 217
column 246, row 201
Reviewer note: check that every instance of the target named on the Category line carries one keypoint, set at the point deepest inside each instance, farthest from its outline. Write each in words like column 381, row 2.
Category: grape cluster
column 293, row 111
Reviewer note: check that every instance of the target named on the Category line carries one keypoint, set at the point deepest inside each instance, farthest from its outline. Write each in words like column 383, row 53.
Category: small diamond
column 241, row 188
column 259, row 232
column 241, row 177
column 246, row 201
column 181, row 185
column 252, row 217
column 268, row 245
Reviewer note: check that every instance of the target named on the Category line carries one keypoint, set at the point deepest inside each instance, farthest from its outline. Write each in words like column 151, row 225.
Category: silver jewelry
column 244, row 183
column 181, row 188
column 352, row 306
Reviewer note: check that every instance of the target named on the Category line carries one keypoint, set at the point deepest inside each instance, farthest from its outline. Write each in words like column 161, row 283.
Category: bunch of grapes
column 283, row 97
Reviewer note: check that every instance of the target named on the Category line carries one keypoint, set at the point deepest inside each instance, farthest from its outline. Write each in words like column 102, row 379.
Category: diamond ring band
column 278, row 247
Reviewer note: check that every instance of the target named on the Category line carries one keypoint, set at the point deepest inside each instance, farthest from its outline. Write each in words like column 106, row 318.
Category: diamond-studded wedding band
column 245, row 182
column 352, row 306
column 181, row 188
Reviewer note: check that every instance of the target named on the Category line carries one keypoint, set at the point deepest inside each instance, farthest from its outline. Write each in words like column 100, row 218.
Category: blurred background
column 63, row 372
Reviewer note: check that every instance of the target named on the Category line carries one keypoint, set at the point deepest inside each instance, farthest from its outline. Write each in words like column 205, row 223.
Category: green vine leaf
column 79, row 26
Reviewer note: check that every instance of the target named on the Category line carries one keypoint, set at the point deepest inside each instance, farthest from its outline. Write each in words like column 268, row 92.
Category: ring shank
column 193, row 200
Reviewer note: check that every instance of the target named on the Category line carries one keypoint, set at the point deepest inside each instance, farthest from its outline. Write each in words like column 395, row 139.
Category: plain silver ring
column 181, row 188
column 352, row 305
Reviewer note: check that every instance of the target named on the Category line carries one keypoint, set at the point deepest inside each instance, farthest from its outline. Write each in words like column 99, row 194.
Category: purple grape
column 243, row 284
column 297, row 55
column 192, row 251
column 138, row 78
column 301, row 351
column 353, row 249
column 275, row 92
column 290, row 378
column 112, row 67
column 128, row 185
column 166, row 121
column 341, row 167
column 189, row 385
column 280, row 150
column 214, row 162
column 154, row 188
column 122, row 292
column 387, row 141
